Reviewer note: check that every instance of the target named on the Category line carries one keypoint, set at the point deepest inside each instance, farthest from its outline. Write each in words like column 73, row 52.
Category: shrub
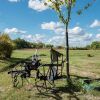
column 6, row 46
column 89, row 55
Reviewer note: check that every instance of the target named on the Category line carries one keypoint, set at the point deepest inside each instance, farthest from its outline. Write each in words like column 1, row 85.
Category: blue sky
column 32, row 21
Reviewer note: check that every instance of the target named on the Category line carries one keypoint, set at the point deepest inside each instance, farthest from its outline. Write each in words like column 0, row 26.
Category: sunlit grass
column 80, row 65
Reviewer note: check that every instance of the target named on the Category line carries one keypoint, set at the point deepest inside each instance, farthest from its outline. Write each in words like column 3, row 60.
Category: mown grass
column 81, row 67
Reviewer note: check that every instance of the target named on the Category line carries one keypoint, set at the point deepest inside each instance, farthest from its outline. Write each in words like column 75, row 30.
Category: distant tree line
column 7, row 45
column 21, row 43
column 94, row 45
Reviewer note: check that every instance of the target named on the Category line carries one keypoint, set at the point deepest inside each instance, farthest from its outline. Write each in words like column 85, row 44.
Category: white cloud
column 57, row 27
column 37, row 5
column 96, row 23
column 51, row 25
column 13, row 30
column 73, row 41
column 38, row 38
column 57, row 40
column 27, row 37
column 33, row 38
column 87, row 37
column 76, row 31
column 77, row 35
column 14, row 0
column 98, row 36
column 60, row 31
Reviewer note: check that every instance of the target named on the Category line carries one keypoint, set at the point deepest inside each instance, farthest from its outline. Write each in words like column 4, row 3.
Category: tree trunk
column 67, row 53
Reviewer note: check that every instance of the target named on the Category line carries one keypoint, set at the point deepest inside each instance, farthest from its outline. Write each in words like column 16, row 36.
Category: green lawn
column 81, row 67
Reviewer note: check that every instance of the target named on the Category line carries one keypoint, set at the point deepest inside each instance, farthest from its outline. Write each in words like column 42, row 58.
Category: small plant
column 89, row 55
column 75, row 85
column 79, row 85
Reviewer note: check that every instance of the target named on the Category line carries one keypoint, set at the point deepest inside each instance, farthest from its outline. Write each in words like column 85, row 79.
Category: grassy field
column 81, row 67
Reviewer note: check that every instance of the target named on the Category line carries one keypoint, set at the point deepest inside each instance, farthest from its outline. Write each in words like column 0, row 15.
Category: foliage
column 40, row 45
column 6, row 46
column 21, row 43
column 49, row 46
column 95, row 45
column 78, row 48
column 57, row 6
column 80, row 85
column 88, row 47
column 83, row 85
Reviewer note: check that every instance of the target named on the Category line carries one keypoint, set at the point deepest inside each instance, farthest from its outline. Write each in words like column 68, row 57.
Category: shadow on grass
column 13, row 63
column 97, row 89
column 80, row 77
column 57, row 93
column 14, row 60
column 76, row 77
column 70, row 90
column 88, row 81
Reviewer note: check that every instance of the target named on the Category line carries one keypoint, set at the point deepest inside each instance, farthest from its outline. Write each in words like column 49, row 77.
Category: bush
column 89, row 55
column 6, row 46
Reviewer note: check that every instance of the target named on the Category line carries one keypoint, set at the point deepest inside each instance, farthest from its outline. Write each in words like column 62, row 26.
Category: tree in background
column 95, row 45
column 6, row 46
column 49, row 46
column 58, row 5
column 40, row 45
column 21, row 43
